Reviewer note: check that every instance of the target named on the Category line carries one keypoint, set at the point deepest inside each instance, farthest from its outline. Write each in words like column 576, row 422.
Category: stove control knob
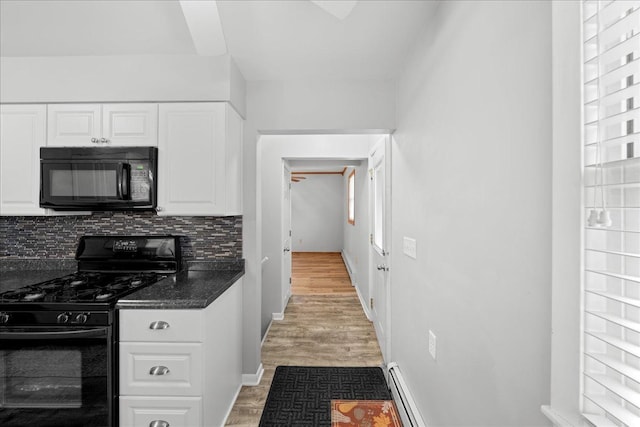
column 63, row 317
column 82, row 318
column 4, row 317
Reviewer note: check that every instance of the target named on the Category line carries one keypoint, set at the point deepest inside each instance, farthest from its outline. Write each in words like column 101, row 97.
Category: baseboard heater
column 406, row 405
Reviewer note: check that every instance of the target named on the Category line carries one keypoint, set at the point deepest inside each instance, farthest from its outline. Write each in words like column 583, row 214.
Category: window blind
column 611, row 177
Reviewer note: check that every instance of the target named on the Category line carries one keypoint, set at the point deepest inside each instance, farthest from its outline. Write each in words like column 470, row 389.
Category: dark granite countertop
column 194, row 288
column 191, row 289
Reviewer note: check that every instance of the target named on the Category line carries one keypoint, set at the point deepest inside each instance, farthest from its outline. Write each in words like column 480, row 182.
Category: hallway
column 329, row 329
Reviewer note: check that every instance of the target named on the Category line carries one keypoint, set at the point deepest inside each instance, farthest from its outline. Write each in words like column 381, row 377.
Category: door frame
column 386, row 245
column 286, row 249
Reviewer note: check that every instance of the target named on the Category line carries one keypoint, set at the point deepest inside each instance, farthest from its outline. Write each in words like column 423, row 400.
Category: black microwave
column 98, row 178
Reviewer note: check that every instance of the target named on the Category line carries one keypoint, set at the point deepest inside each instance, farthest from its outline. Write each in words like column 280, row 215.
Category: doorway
column 292, row 151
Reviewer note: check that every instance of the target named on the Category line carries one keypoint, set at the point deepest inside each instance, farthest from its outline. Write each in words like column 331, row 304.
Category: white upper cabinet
column 199, row 159
column 130, row 124
column 102, row 125
column 22, row 133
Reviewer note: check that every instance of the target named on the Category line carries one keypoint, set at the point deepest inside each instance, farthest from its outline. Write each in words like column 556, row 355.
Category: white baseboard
column 266, row 333
column 347, row 264
column 280, row 316
column 233, row 402
column 365, row 306
column 285, row 303
column 253, row 379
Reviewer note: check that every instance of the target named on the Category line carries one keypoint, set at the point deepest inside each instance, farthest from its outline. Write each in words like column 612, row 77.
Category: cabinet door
column 142, row 411
column 130, row 124
column 22, row 133
column 73, row 124
column 191, row 159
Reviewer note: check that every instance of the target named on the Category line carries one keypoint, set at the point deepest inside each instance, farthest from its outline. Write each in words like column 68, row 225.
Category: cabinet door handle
column 158, row 324
column 94, row 140
column 159, row 370
column 158, row 423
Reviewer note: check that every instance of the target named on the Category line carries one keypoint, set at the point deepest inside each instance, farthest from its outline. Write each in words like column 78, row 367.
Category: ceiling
column 88, row 27
column 268, row 39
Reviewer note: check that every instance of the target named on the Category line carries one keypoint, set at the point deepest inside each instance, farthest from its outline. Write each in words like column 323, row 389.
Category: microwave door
column 78, row 183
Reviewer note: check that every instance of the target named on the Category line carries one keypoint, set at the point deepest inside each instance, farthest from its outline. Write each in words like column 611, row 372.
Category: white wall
column 122, row 78
column 471, row 183
column 317, row 205
column 356, row 236
column 273, row 149
column 280, row 107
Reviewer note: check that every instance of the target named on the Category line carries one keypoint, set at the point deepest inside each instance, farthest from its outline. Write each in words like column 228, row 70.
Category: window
column 611, row 179
column 351, row 198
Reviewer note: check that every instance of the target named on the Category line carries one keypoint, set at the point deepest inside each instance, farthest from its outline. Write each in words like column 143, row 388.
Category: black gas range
column 58, row 359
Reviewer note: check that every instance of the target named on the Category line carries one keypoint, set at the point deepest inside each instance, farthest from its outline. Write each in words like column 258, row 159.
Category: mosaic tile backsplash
column 204, row 238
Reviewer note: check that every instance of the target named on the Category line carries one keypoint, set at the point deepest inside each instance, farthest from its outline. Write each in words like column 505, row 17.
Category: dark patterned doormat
column 301, row 395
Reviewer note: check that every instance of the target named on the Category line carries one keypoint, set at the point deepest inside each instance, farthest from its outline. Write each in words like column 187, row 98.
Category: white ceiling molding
column 339, row 9
column 203, row 20
column 323, row 165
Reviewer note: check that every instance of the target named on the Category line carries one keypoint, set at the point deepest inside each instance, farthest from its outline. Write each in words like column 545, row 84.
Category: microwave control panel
column 127, row 246
column 140, row 181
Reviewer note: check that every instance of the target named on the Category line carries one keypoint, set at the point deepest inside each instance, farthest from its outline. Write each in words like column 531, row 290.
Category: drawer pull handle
column 158, row 324
column 159, row 370
column 158, row 423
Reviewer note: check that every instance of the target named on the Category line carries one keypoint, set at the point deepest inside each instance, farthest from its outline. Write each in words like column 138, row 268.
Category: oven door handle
column 53, row 335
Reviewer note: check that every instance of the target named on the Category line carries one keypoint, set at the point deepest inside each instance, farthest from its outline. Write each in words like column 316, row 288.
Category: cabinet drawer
column 156, row 369
column 161, row 325
column 176, row 412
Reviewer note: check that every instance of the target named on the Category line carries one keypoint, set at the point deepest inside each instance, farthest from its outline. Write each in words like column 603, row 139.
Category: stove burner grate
column 82, row 287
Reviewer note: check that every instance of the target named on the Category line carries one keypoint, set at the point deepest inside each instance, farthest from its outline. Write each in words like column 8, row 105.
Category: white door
column 286, row 234
column 379, row 196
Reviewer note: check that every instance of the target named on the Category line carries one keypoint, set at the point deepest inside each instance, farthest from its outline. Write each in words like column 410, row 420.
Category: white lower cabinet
column 171, row 361
column 160, row 412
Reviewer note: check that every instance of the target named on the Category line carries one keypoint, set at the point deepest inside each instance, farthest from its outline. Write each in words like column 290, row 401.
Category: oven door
column 56, row 377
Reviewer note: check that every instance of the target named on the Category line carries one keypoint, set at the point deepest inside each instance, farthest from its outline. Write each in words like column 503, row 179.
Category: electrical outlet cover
column 432, row 344
column 409, row 247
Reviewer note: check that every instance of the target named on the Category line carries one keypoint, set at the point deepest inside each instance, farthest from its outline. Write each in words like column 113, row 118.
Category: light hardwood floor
column 319, row 273
column 318, row 330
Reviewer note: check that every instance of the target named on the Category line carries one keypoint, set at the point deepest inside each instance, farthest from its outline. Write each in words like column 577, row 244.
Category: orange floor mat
column 364, row 413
